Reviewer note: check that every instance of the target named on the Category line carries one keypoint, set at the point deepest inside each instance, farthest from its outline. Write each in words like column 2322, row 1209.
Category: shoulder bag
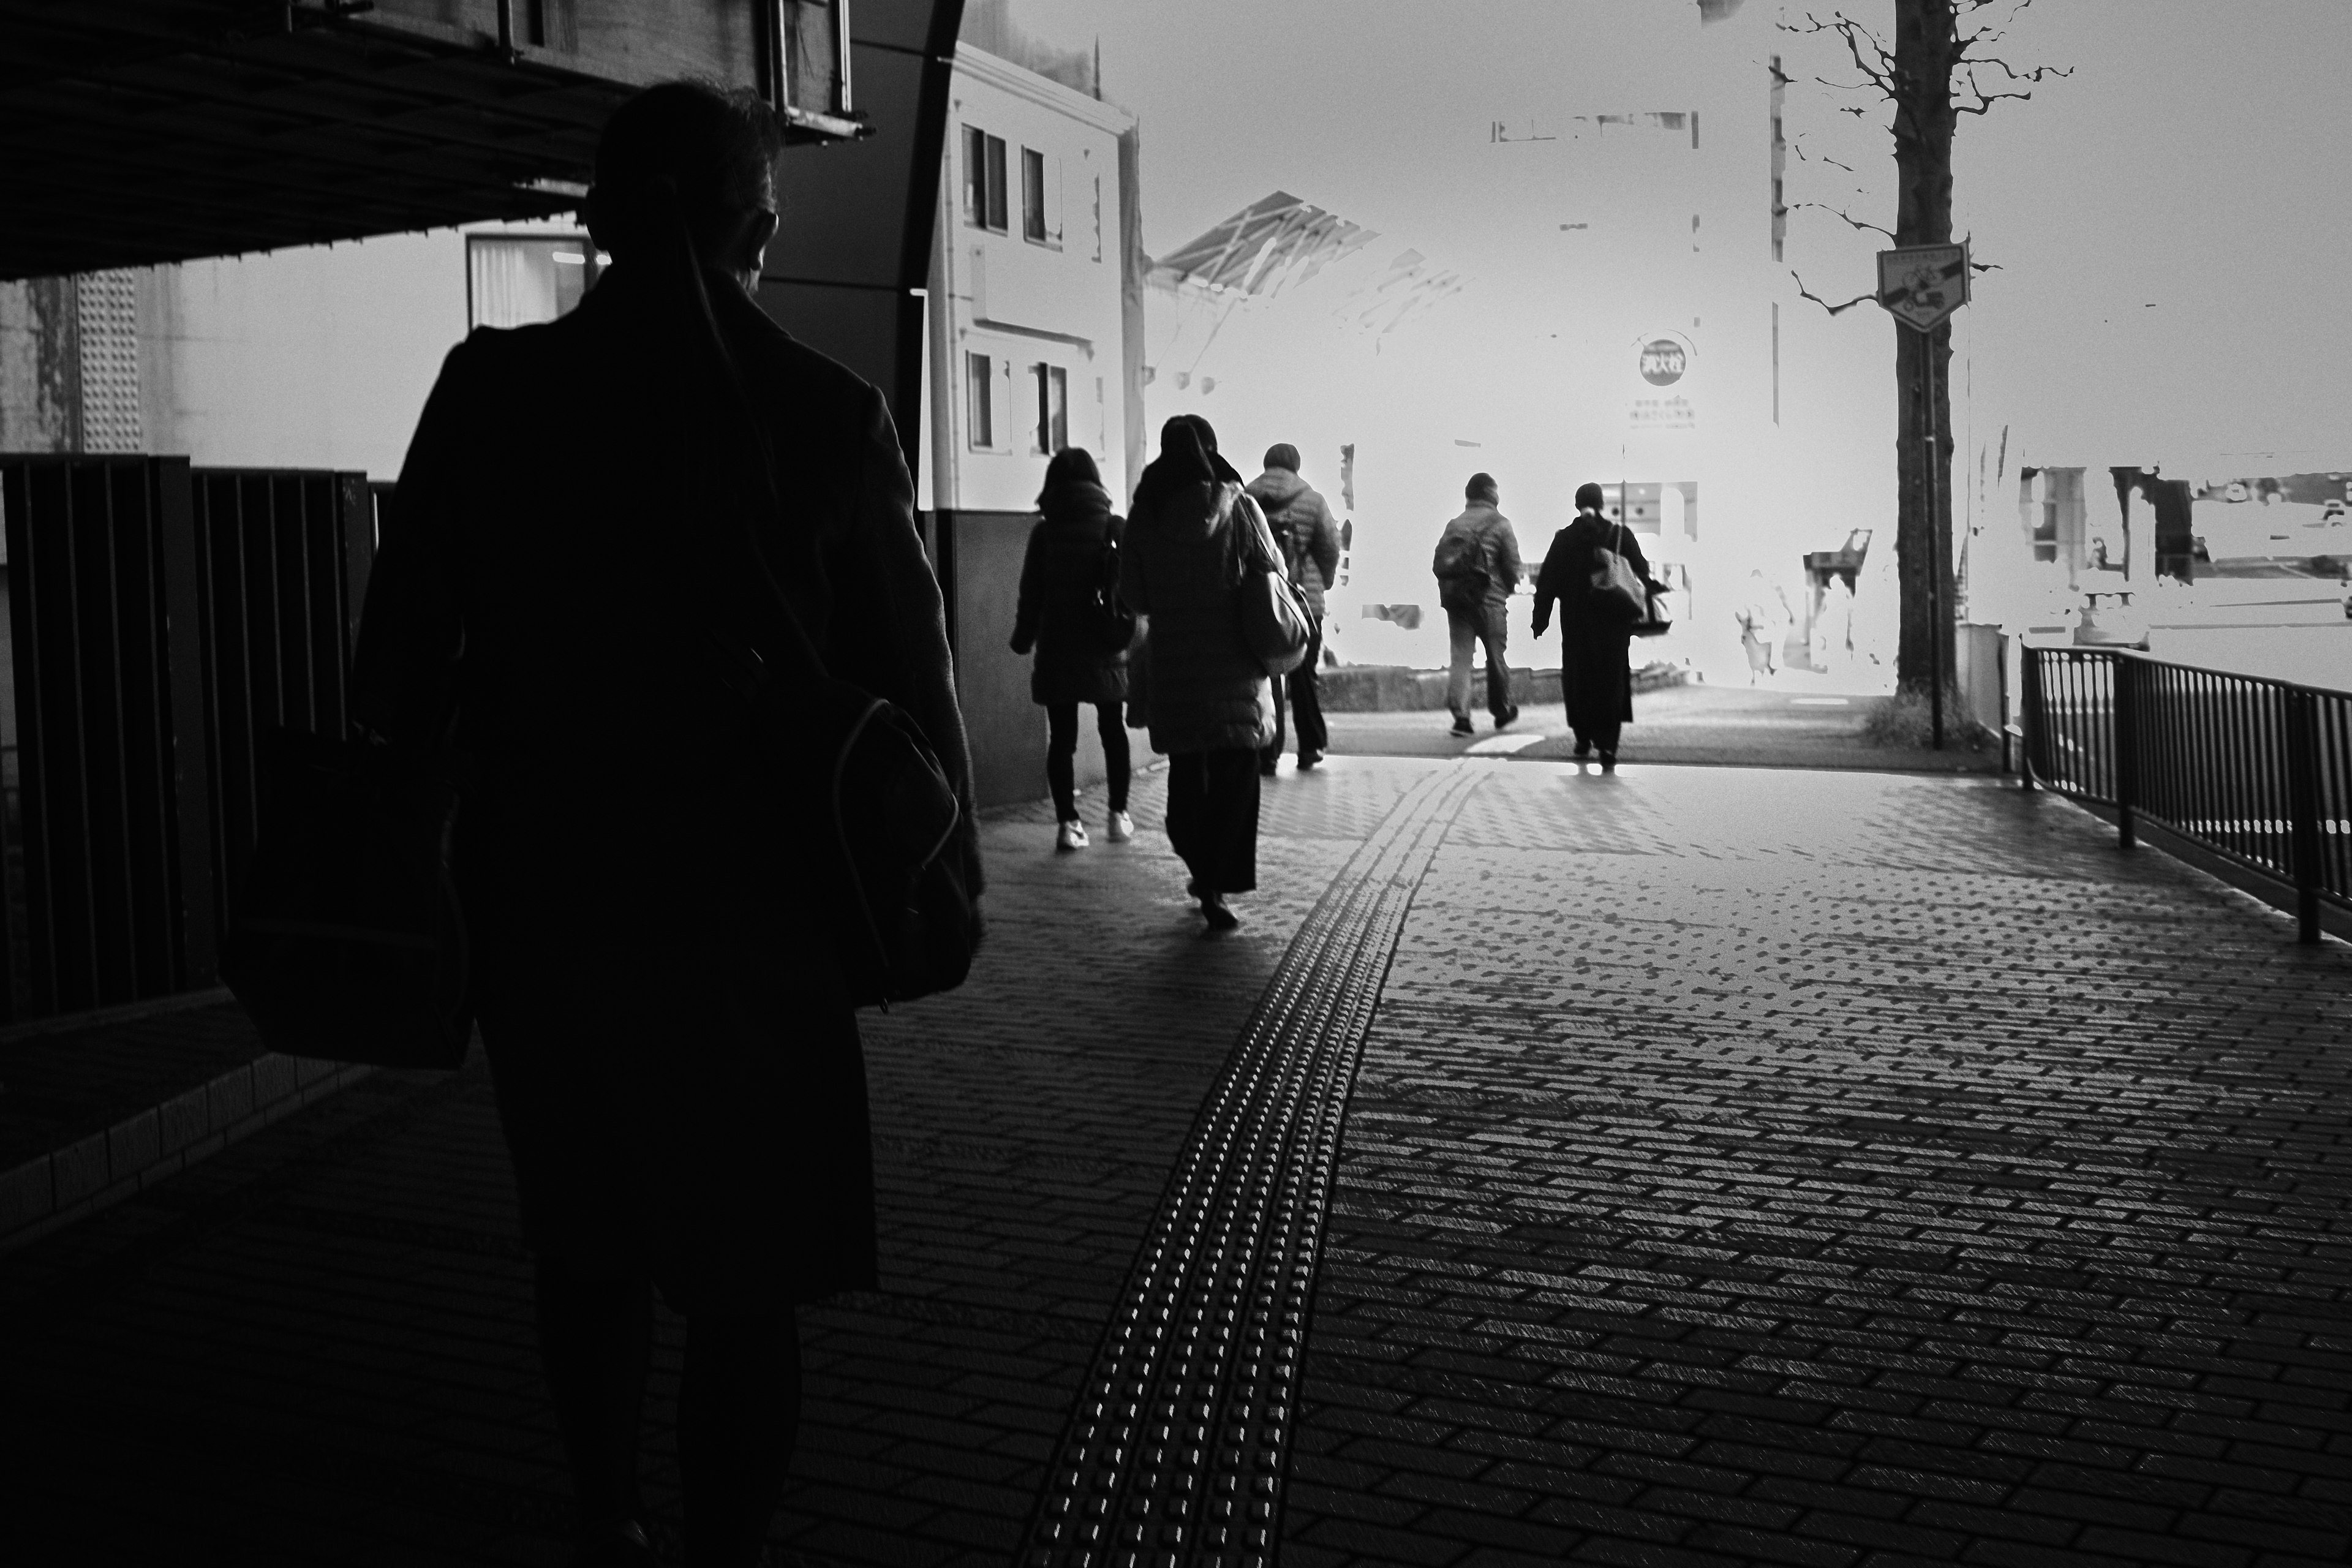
column 1617, row 591
column 346, row 942
column 1109, row 621
column 1276, row 624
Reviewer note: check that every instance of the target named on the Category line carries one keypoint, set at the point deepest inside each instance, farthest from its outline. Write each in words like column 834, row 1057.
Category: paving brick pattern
column 1839, row 1170
column 1175, row 1451
column 315, row 1347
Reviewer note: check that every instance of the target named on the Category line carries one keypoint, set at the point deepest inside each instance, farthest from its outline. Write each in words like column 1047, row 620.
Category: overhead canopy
column 137, row 131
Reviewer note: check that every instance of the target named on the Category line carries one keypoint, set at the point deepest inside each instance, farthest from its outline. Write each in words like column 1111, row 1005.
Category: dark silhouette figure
column 1060, row 577
column 1310, row 542
column 1596, row 677
column 1191, row 535
column 678, row 1070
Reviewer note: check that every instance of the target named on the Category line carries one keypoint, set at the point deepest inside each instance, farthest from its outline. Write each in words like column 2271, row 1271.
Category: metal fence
column 156, row 618
column 2257, row 771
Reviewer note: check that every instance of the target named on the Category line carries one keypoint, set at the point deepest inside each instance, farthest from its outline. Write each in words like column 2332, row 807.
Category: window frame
column 980, row 401
column 1052, row 426
column 984, row 181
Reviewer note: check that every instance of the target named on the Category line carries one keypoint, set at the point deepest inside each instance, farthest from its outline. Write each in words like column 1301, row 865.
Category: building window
column 983, row 179
column 1053, row 406
column 513, row 281
column 1097, row 218
column 1041, row 198
column 980, row 379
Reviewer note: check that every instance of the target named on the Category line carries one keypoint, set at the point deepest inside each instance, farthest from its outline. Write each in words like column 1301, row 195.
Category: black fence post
column 2029, row 710
column 2303, row 804
column 2124, row 688
column 192, row 763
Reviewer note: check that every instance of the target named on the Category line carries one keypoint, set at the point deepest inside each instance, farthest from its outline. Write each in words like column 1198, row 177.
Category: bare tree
column 1940, row 65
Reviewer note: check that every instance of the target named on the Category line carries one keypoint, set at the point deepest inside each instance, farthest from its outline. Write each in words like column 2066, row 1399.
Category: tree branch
column 1805, row 293
column 1848, row 218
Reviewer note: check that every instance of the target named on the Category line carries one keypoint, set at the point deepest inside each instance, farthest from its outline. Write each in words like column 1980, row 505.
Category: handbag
column 1276, row 625
column 346, row 942
column 1654, row 622
column 1618, row 591
column 881, row 813
column 1109, row 623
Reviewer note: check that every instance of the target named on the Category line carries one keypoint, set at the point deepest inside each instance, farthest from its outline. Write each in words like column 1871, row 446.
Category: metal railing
column 2256, row 770
column 156, row 618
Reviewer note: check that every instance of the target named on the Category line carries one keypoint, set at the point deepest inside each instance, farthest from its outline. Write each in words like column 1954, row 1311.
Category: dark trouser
column 1305, row 697
column 1212, row 818
column 1595, row 684
column 1467, row 626
column 1062, row 750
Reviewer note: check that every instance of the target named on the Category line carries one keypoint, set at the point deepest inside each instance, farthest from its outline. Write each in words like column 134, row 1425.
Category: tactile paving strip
column 1175, row 1455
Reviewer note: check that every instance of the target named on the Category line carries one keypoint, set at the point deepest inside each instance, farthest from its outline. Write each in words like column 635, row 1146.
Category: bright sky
column 2172, row 222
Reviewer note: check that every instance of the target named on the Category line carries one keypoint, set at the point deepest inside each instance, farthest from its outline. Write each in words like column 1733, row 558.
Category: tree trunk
column 1926, row 39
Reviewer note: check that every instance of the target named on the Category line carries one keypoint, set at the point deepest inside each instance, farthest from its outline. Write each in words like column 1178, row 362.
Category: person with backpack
column 591, row 512
column 1596, row 677
column 1478, row 567
column 1302, row 526
column 1070, row 613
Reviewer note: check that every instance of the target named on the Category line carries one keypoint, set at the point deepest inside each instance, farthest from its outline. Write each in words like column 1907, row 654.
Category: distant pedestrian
column 1596, row 677
column 1192, row 535
column 1478, row 567
column 1076, row 535
column 1310, row 542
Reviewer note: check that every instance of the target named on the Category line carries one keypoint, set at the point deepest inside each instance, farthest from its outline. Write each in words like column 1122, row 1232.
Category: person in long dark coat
column 1059, row 579
column 678, row 1070
column 1596, row 677
column 1193, row 533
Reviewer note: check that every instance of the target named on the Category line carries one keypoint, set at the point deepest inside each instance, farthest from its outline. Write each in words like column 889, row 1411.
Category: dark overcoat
column 1595, row 674
column 539, row 576
column 1059, row 576
column 1179, row 566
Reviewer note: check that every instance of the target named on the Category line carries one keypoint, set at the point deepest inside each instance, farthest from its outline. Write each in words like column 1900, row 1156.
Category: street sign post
column 1921, row 286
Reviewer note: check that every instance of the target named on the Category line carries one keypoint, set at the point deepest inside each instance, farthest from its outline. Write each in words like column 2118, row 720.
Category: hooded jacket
column 1058, row 579
column 1208, row 692
column 1492, row 545
column 1302, row 525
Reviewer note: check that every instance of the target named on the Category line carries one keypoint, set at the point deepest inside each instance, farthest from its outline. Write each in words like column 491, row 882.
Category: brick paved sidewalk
column 1743, row 1166
column 1833, row 1169
column 315, row 1346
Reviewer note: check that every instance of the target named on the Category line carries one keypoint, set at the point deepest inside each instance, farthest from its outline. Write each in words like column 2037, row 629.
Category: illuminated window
column 980, row 380
column 513, row 280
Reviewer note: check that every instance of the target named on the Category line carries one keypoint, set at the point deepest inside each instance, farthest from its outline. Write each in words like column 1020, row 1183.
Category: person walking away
column 1596, row 677
column 1190, row 537
column 1478, row 567
column 677, row 1066
column 1310, row 542
column 1076, row 535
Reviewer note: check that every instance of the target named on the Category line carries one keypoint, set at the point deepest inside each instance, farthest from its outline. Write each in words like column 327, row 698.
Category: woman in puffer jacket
column 1059, row 578
column 1190, row 537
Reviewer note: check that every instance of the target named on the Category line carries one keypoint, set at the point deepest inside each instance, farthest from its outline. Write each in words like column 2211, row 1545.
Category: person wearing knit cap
column 1477, row 566
column 1301, row 521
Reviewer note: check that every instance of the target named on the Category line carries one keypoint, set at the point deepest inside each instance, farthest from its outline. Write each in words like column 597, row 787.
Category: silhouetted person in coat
column 1060, row 576
column 1310, row 542
column 679, row 1069
column 1596, row 677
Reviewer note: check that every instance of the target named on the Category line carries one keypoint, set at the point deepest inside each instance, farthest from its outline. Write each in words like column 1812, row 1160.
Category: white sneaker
column 1122, row 827
column 1072, row 836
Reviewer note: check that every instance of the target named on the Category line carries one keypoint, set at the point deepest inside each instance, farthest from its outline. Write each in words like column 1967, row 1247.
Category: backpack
column 1460, row 567
column 1109, row 624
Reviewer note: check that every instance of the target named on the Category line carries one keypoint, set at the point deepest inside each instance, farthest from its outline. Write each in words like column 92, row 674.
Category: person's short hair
column 1481, row 487
column 1282, row 455
column 1587, row 494
column 715, row 146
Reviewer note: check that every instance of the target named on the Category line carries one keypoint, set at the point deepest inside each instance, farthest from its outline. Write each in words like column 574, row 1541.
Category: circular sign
column 1663, row 361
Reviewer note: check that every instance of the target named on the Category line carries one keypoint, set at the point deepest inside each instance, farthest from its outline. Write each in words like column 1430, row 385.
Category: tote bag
column 1276, row 625
column 1618, row 591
